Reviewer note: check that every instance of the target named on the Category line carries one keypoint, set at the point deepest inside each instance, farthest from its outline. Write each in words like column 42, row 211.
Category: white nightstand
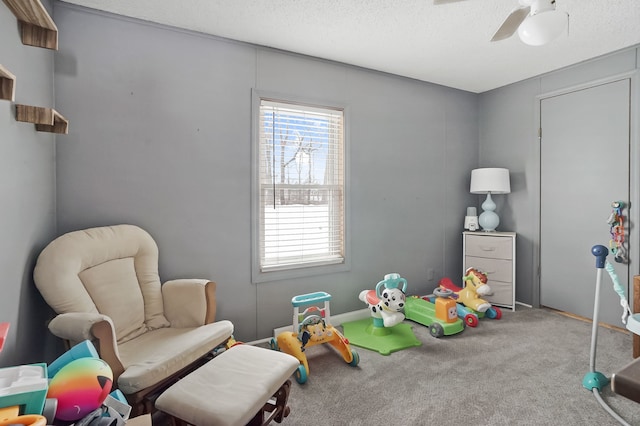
column 495, row 254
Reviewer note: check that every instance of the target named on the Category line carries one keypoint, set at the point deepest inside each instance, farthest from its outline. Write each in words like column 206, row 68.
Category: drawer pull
column 484, row 248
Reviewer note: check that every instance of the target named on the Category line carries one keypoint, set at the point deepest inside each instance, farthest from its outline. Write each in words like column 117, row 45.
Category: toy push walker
column 312, row 327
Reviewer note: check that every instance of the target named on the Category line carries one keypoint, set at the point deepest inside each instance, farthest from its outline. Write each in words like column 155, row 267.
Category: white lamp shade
column 543, row 27
column 490, row 180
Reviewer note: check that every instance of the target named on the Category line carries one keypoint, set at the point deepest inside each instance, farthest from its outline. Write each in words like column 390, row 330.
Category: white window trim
column 258, row 276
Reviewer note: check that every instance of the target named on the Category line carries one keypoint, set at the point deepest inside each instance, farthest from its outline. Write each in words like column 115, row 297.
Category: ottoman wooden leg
column 277, row 406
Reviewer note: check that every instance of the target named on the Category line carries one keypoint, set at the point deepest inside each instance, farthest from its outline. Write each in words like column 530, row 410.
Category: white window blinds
column 301, row 185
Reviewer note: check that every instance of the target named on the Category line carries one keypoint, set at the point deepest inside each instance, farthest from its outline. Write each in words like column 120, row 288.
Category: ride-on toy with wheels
column 312, row 327
column 438, row 313
column 475, row 285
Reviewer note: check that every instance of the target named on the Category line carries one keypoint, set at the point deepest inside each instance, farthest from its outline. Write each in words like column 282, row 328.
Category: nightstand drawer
column 488, row 246
column 502, row 293
column 496, row 269
column 493, row 253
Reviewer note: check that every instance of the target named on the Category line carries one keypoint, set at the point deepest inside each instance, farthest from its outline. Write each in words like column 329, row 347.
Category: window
column 299, row 188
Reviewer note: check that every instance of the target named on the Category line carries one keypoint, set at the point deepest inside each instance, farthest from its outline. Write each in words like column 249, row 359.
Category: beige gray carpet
column 524, row 369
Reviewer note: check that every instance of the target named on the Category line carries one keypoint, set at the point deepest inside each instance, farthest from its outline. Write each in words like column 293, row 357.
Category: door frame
column 633, row 218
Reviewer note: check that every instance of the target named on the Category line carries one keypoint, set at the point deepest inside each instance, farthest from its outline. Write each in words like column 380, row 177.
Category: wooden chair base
column 277, row 406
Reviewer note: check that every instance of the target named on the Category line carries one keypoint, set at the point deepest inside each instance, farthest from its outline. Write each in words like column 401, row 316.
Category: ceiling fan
column 536, row 21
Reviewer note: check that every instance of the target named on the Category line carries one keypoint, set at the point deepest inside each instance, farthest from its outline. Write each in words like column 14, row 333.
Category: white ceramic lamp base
column 489, row 219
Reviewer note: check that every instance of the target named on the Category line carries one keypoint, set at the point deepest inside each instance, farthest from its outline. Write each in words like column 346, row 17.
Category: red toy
column 475, row 285
column 4, row 330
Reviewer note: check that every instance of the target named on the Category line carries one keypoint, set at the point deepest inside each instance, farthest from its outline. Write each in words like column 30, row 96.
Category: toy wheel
column 498, row 312
column 355, row 358
column 274, row 345
column 493, row 313
column 436, row 330
column 301, row 374
column 471, row 320
column 442, row 292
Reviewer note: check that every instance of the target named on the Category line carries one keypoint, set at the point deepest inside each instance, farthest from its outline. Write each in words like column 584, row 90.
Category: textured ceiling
column 446, row 44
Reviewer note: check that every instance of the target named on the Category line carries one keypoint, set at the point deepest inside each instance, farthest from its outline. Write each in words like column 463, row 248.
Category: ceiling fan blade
column 511, row 24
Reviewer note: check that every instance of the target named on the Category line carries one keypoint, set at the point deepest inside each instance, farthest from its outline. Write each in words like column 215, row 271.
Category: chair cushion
column 114, row 289
column 72, row 270
column 159, row 353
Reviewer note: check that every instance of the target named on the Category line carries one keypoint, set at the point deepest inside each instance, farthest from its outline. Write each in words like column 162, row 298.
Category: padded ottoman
column 233, row 389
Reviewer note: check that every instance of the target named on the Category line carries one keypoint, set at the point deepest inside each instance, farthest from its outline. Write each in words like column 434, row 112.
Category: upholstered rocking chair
column 103, row 283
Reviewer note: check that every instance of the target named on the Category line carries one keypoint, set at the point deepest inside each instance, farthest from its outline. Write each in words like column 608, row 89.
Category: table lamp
column 489, row 181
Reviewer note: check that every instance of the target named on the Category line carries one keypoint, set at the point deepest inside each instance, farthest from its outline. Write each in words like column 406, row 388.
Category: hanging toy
column 616, row 223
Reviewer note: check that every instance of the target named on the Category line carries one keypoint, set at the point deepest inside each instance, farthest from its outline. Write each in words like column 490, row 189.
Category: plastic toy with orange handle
column 26, row 420
column 9, row 416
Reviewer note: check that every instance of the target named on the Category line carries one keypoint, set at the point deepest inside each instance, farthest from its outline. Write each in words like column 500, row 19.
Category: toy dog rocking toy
column 388, row 306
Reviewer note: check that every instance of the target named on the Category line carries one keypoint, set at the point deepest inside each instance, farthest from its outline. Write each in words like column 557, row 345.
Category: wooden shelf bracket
column 36, row 26
column 45, row 119
column 7, row 84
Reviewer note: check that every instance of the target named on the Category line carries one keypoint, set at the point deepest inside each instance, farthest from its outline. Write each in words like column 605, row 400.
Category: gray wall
column 27, row 192
column 160, row 137
column 508, row 122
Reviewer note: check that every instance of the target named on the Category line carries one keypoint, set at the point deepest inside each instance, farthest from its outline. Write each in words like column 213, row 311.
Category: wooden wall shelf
column 36, row 29
column 45, row 119
column 7, row 84
column 36, row 26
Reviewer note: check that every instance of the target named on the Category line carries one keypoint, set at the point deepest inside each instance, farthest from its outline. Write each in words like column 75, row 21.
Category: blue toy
column 81, row 350
column 594, row 380
column 74, row 385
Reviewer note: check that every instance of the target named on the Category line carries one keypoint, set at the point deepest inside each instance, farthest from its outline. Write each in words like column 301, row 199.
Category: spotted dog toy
column 389, row 307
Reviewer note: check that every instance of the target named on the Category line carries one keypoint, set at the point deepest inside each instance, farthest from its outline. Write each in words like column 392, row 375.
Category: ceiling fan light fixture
column 542, row 27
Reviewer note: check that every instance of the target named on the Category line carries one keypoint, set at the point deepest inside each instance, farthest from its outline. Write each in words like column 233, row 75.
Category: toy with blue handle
column 311, row 298
column 311, row 327
column 595, row 379
column 392, row 280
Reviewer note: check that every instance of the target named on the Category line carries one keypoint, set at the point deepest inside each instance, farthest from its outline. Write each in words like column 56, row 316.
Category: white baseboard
column 336, row 320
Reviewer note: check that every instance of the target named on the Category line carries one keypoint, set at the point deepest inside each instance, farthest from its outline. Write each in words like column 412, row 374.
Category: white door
column 584, row 167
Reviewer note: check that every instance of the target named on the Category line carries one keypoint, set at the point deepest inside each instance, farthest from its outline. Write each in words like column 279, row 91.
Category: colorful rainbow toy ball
column 80, row 387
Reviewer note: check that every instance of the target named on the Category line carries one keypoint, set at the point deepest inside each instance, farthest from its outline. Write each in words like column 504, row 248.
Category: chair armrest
column 104, row 332
column 75, row 326
column 189, row 302
column 79, row 326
